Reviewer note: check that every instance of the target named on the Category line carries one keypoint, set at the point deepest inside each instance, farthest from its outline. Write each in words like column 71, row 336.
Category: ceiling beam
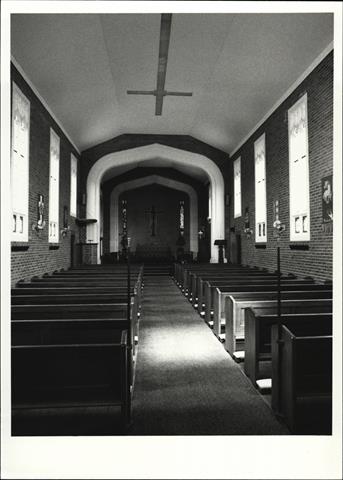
column 160, row 92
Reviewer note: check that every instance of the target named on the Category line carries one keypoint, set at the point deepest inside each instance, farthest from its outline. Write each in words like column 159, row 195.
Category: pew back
column 71, row 375
column 236, row 303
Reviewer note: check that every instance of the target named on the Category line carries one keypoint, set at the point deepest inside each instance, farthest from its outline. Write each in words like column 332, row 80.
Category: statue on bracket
column 327, row 204
column 40, row 214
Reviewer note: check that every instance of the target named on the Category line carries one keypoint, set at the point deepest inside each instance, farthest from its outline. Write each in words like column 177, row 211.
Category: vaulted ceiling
column 236, row 65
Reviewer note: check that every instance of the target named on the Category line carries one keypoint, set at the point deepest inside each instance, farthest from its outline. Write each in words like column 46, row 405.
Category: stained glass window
column 20, row 164
column 73, row 185
column 260, row 190
column 237, row 188
column 54, row 186
column 299, row 192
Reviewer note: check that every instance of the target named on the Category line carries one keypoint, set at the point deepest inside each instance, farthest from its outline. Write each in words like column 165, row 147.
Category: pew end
column 304, row 389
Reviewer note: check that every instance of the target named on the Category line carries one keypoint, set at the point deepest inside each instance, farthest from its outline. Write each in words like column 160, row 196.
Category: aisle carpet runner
column 186, row 383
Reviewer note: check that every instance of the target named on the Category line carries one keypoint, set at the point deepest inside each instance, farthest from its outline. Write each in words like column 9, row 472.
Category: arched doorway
column 161, row 153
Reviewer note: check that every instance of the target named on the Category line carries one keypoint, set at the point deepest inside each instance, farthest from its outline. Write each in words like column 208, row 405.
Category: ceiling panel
column 236, row 65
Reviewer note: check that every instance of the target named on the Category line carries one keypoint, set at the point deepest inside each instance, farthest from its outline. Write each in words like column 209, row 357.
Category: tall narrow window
column 20, row 165
column 299, row 190
column 260, row 190
column 209, row 202
column 54, row 187
column 73, row 185
column 237, row 188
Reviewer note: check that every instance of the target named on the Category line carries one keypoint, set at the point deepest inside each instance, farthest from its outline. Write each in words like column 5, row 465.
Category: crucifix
column 153, row 213
column 160, row 92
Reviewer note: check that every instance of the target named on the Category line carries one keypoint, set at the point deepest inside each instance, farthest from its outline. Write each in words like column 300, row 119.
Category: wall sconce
column 201, row 234
column 248, row 232
column 64, row 231
column 279, row 227
column 40, row 225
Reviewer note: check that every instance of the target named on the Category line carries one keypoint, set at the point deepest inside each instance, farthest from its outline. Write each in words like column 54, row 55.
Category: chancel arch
column 150, row 180
column 162, row 153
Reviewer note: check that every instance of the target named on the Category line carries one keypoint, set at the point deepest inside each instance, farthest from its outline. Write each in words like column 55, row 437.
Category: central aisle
column 186, row 383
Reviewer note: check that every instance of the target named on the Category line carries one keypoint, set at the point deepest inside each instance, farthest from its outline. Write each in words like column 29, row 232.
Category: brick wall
column 317, row 260
column 39, row 258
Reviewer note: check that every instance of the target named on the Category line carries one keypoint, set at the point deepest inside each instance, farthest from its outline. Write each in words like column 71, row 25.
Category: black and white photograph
column 171, row 247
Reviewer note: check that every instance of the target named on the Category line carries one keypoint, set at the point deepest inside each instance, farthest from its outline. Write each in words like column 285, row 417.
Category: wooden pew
column 258, row 322
column 206, row 303
column 213, row 297
column 77, row 282
column 106, row 268
column 219, row 294
column 79, row 311
column 193, row 278
column 100, row 270
column 43, row 298
column 52, row 330
column 79, row 299
column 71, row 375
column 105, row 275
column 237, row 302
column 77, row 286
column 31, row 289
column 189, row 270
column 199, row 285
column 305, row 382
column 109, row 310
column 75, row 308
column 86, row 278
column 176, row 275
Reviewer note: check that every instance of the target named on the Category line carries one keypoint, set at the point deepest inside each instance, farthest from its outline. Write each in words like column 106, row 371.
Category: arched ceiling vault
column 236, row 65
column 141, row 172
column 192, row 171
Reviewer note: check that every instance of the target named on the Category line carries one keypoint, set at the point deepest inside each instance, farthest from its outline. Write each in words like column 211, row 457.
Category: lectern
column 221, row 245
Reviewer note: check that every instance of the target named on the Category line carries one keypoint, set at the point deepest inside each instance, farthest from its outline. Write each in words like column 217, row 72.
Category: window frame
column 73, row 199
column 24, row 235
column 54, row 238
column 302, row 235
column 260, row 220
column 237, row 193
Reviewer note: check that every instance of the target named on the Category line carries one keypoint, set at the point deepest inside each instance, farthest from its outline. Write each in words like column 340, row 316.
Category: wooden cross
column 153, row 214
column 160, row 92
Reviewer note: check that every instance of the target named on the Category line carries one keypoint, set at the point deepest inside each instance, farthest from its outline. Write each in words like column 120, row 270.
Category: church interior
column 172, row 224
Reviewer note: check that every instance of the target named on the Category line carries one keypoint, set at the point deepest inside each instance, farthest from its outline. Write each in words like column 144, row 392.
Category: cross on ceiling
column 160, row 92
